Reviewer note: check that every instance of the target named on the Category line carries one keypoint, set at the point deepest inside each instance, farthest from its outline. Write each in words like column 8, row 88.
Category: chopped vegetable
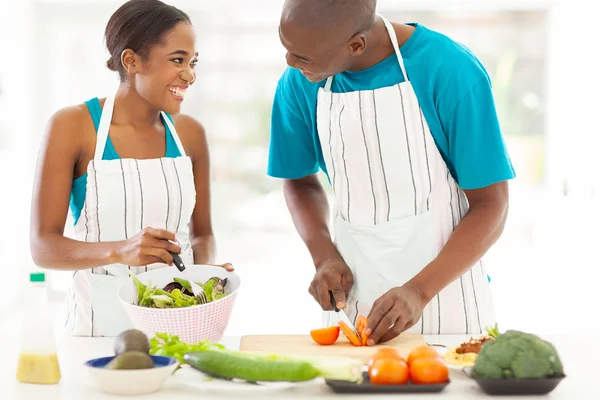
column 325, row 336
column 349, row 333
column 178, row 293
column 214, row 288
column 164, row 344
column 174, row 285
column 162, row 301
column 184, row 283
column 361, row 326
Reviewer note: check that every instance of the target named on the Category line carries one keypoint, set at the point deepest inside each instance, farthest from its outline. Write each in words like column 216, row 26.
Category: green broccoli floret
column 516, row 354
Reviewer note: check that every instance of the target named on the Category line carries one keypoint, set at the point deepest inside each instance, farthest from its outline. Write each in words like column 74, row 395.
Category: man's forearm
column 475, row 234
column 308, row 206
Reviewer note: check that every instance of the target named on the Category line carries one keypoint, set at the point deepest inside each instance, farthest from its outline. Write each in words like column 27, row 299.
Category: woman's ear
column 130, row 61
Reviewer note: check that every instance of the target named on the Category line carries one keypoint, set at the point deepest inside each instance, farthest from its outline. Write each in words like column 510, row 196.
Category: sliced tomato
column 325, row 336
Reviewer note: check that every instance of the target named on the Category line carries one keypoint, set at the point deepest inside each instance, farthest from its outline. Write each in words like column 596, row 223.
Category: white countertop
column 580, row 355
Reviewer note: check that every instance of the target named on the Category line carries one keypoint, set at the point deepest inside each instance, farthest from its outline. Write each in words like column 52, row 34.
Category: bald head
column 325, row 37
column 346, row 17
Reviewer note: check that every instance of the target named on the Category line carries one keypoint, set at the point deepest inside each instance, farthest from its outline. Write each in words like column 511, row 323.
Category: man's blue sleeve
column 477, row 149
column 292, row 152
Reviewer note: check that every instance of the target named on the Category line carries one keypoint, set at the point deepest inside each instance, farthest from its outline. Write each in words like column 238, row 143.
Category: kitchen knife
column 343, row 315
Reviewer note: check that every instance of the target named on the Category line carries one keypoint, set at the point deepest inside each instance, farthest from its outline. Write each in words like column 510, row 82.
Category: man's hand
column 394, row 312
column 335, row 276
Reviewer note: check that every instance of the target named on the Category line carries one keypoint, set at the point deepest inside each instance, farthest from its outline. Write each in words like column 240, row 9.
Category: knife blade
column 342, row 314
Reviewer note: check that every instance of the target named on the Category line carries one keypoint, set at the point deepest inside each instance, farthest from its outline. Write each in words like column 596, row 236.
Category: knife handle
column 333, row 303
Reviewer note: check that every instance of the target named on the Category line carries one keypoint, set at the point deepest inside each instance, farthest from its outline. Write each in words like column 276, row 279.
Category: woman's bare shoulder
column 192, row 134
column 70, row 120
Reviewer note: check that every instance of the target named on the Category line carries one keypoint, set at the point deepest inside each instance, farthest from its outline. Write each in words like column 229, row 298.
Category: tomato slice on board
column 325, row 336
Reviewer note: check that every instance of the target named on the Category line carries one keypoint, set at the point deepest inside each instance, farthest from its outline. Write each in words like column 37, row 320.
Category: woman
column 137, row 177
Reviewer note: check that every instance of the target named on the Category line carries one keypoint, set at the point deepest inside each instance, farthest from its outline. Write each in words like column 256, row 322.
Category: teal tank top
column 78, row 188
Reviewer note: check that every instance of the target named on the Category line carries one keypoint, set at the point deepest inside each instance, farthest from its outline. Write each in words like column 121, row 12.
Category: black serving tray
column 512, row 386
column 367, row 387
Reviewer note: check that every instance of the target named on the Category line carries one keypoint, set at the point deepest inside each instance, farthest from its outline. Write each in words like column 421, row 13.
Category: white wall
column 17, row 72
column 556, row 269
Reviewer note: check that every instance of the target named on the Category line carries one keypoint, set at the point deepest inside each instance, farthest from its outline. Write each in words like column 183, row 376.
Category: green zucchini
column 234, row 364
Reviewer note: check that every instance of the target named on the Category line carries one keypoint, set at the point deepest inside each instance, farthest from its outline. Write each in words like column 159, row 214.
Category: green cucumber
column 233, row 364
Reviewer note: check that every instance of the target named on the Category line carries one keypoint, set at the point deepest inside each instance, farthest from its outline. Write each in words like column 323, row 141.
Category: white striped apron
column 396, row 203
column 123, row 196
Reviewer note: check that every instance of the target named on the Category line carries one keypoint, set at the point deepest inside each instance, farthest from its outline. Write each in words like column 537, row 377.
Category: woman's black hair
column 138, row 25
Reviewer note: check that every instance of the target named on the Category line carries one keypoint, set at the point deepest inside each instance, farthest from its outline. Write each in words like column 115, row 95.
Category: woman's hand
column 149, row 246
column 227, row 266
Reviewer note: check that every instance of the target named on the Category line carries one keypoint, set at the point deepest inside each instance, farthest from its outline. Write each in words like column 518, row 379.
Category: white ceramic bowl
column 192, row 324
column 131, row 381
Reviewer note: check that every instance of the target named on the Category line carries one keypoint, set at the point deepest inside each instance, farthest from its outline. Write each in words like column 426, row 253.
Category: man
column 403, row 122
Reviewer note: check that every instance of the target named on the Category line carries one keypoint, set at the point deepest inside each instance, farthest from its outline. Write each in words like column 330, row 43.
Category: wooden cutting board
column 304, row 345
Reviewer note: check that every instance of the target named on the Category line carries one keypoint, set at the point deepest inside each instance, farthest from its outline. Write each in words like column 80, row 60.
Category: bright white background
column 542, row 57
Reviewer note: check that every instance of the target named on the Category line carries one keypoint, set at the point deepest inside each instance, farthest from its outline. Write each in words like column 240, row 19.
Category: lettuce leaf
column 154, row 297
column 164, row 344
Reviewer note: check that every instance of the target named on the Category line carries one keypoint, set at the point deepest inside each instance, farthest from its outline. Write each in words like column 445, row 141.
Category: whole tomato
column 389, row 371
column 428, row 370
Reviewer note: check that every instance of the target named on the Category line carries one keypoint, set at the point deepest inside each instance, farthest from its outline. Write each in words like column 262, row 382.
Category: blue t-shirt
column 453, row 89
column 79, row 187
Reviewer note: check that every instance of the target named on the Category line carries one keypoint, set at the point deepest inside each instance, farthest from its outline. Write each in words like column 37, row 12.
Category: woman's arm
column 59, row 154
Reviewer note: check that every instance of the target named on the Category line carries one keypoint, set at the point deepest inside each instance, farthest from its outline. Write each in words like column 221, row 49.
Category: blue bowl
column 159, row 361
column 131, row 381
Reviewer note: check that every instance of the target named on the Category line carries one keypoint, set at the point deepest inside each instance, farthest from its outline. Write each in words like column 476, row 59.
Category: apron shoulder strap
column 327, row 87
column 394, row 40
column 104, row 126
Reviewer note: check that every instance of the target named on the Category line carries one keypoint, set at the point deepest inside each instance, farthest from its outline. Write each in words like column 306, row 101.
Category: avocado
column 132, row 340
column 131, row 360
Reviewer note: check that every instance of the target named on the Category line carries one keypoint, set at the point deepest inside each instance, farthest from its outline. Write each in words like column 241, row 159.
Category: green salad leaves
column 164, row 344
column 178, row 293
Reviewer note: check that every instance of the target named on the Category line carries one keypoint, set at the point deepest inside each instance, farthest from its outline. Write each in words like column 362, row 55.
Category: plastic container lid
column 37, row 277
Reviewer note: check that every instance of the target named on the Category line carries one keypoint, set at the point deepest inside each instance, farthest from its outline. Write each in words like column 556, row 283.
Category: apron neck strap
column 106, row 118
column 104, row 126
column 327, row 87
column 394, row 39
